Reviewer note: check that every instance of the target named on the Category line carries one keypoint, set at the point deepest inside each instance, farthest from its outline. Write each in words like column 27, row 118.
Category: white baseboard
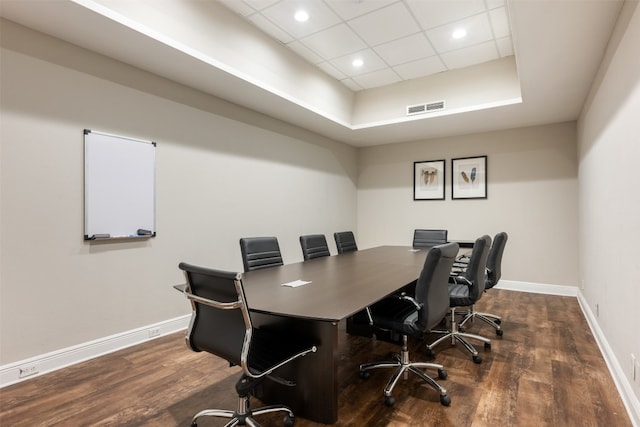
column 629, row 399
column 538, row 288
column 45, row 363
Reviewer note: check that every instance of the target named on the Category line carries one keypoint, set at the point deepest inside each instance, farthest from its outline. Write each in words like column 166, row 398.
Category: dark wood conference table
column 341, row 285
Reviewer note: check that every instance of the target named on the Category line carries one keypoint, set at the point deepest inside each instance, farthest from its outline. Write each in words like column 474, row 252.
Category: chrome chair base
column 458, row 336
column 492, row 320
column 403, row 366
column 243, row 416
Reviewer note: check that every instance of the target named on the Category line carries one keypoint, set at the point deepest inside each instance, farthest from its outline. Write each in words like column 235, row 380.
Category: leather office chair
column 260, row 252
column 494, row 272
column 345, row 241
column 407, row 315
column 429, row 238
column 314, row 246
column 466, row 289
column 221, row 325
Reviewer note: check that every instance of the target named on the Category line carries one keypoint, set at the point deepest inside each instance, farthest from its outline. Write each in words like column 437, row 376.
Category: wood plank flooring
column 545, row 371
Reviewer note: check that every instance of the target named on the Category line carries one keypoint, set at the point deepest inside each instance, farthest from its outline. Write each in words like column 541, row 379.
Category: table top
column 341, row 285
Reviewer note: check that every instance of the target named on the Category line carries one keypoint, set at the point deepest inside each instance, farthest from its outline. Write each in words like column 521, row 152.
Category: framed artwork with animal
column 469, row 178
column 428, row 180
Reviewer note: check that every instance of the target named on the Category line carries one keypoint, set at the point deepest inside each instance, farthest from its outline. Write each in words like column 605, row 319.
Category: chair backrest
column 475, row 274
column 224, row 328
column 314, row 246
column 429, row 238
column 345, row 241
column 260, row 252
column 432, row 289
column 494, row 260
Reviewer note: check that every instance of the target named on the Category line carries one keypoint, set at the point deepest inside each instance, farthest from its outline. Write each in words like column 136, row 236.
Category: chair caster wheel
column 389, row 400
column 499, row 332
column 442, row 374
column 477, row 359
column 498, row 321
column 431, row 353
column 289, row 421
column 445, row 400
column 487, row 346
column 364, row 375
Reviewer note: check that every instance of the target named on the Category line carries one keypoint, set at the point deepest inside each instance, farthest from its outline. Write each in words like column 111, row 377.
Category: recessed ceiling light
column 459, row 33
column 357, row 62
column 301, row 16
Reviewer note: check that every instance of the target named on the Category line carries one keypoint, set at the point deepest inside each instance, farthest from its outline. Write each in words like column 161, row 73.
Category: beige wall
column 218, row 179
column 532, row 195
column 609, row 154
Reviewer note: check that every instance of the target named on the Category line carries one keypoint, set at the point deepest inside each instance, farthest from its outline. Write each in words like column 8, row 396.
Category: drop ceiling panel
column 405, row 50
column 384, row 25
column 321, row 17
column 334, row 42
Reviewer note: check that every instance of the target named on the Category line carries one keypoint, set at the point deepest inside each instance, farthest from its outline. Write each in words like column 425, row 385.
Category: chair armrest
column 206, row 301
column 406, row 297
column 269, row 371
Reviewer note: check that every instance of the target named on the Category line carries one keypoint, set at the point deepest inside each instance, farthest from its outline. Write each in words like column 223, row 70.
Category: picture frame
column 469, row 178
column 429, row 180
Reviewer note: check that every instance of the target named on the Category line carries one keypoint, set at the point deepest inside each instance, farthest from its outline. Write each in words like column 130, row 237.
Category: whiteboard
column 119, row 187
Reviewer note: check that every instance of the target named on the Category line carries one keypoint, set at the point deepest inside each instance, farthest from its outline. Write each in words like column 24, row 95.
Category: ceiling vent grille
column 425, row 108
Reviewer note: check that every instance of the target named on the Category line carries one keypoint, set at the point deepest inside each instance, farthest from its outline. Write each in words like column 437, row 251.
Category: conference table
column 339, row 286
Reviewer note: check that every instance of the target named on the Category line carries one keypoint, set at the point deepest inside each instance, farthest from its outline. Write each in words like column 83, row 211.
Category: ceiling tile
column 384, row 25
column 320, row 17
column 492, row 4
column 372, row 62
column 260, row 4
column 478, row 31
column 350, row 9
column 420, row 68
column 238, row 6
column 271, row 29
column 382, row 77
column 466, row 57
column 432, row 14
column 305, row 52
column 405, row 49
column 334, row 42
column 505, row 46
column 351, row 85
column 500, row 22
column 332, row 71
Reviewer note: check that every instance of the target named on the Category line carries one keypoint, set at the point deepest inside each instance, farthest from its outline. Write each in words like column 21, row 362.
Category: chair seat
column 459, row 295
column 394, row 310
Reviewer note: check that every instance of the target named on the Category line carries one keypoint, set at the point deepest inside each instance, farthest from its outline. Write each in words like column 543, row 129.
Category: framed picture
column 428, row 180
column 469, row 178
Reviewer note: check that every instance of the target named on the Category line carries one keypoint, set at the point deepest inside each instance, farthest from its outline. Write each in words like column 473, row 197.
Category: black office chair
column 314, row 246
column 221, row 325
column 466, row 289
column 494, row 272
column 345, row 242
column 429, row 238
column 407, row 315
column 260, row 252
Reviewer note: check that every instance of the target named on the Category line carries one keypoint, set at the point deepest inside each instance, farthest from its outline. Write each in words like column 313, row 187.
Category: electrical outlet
column 154, row 332
column 597, row 310
column 27, row 370
column 582, row 284
column 635, row 370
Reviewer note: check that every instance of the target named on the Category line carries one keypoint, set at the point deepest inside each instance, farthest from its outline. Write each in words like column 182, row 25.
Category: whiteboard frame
column 119, row 187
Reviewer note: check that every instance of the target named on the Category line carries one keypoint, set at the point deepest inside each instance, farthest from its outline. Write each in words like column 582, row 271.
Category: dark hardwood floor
column 545, row 371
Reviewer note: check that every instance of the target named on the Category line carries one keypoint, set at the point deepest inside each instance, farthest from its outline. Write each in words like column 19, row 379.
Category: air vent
column 425, row 108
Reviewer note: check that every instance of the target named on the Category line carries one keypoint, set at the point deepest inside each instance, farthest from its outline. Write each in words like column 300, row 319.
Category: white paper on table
column 296, row 283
